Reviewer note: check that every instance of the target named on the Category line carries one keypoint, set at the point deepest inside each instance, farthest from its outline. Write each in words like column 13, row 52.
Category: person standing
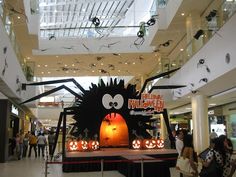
column 213, row 135
column 179, row 144
column 41, row 144
column 188, row 152
column 51, row 141
column 17, row 139
column 25, row 144
column 33, row 144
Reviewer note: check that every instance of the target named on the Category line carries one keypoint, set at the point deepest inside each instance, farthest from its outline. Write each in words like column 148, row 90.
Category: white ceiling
column 57, row 53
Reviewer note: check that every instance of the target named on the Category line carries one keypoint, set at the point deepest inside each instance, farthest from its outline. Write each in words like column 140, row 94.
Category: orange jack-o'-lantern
column 149, row 143
column 93, row 145
column 72, row 145
column 160, row 143
column 136, row 144
column 82, row 145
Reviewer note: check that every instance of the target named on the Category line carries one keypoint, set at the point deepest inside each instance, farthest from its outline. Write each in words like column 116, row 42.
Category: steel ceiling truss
column 73, row 18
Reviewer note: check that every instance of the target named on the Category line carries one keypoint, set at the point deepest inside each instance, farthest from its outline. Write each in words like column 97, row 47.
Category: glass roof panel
column 92, row 18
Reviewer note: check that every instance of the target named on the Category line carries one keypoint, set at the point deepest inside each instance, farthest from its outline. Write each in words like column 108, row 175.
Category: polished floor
column 35, row 167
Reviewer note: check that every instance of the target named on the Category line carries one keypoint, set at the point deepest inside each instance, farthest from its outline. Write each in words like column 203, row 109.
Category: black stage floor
column 126, row 161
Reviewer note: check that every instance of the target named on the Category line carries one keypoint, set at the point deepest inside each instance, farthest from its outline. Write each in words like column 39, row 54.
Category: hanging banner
column 150, row 102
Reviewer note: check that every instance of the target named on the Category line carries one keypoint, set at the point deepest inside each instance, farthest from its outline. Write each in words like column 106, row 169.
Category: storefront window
column 231, row 130
column 1, row 8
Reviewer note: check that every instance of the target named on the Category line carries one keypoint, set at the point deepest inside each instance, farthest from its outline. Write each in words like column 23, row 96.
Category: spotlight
column 96, row 21
column 198, row 34
column 200, row 62
column 140, row 34
column 204, row 80
column 142, row 30
column 151, row 21
column 211, row 15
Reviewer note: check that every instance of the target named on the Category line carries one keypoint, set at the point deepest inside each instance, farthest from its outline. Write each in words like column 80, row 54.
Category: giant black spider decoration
column 103, row 104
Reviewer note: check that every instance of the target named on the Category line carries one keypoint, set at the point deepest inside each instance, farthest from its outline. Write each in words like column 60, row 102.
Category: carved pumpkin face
column 160, row 143
column 149, row 143
column 93, row 145
column 82, row 145
column 72, row 145
column 136, row 144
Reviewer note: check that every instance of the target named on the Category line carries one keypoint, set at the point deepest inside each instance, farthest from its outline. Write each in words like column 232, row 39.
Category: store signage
column 14, row 110
column 150, row 103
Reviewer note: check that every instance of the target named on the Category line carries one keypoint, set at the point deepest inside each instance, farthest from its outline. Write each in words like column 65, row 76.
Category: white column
column 163, row 130
column 200, row 123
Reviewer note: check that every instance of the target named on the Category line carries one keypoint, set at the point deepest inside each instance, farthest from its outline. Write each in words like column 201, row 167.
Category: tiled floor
column 35, row 167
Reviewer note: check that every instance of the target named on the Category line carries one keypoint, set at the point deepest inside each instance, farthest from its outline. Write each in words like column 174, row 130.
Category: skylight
column 75, row 18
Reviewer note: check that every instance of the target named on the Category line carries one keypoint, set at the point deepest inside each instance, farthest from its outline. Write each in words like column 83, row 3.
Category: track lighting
column 211, row 15
column 151, row 21
column 198, row 34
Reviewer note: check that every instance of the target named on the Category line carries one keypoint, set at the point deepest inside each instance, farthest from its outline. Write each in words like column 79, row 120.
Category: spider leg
column 50, row 92
column 56, row 82
column 165, row 87
column 155, row 77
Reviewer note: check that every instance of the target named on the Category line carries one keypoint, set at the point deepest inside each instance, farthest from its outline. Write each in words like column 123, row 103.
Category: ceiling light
column 181, row 50
column 182, row 14
column 212, row 104
column 133, row 63
column 18, row 17
column 118, row 70
column 46, row 65
column 73, row 64
column 102, row 64
column 57, row 56
column 42, row 72
column 38, row 65
column 198, row 34
column 92, row 71
column 49, row 72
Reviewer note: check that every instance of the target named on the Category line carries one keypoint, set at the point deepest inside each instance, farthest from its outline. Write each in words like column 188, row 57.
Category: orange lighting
column 136, row 144
column 114, row 131
column 72, row 145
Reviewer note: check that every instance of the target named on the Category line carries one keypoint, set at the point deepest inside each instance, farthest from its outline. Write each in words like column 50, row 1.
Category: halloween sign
column 149, row 103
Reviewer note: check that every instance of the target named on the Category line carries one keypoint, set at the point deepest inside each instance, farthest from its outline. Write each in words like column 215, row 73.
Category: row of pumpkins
column 93, row 145
column 148, row 144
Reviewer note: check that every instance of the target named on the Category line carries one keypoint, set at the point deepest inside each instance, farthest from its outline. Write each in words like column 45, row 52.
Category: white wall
column 10, row 69
column 214, row 53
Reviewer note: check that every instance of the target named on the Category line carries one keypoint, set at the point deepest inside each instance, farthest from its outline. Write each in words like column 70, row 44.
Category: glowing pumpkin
column 82, row 145
column 160, row 143
column 149, row 143
column 136, row 144
column 93, row 145
column 72, row 145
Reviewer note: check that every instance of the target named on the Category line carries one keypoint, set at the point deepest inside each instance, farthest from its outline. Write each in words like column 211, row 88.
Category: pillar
column 4, row 124
column 200, row 123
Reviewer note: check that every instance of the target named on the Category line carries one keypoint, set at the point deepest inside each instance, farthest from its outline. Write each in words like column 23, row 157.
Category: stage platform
column 126, row 161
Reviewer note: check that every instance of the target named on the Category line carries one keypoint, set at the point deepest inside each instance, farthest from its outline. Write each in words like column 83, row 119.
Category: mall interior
column 178, row 54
